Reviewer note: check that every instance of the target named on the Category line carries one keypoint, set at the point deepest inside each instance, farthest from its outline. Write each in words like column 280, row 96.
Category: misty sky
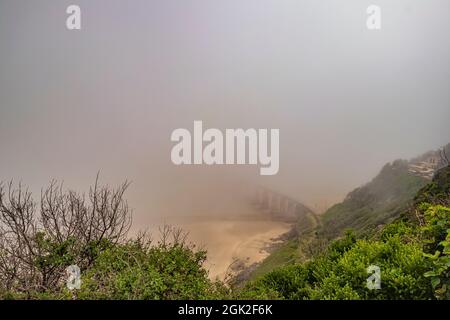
column 107, row 97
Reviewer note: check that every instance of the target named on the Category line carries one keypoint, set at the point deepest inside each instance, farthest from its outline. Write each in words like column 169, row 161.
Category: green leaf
column 444, row 243
column 435, row 282
column 430, row 274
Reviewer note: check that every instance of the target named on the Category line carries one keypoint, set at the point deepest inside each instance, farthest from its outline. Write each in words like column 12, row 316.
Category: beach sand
column 245, row 239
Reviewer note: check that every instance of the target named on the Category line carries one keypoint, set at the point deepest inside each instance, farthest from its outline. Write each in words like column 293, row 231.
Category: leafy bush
column 140, row 270
column 437, row 240
column 341, row 273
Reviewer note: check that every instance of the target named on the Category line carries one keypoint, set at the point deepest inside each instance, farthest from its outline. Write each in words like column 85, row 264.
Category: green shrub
column 139, row 271
column 437, row 239
column 341, row 272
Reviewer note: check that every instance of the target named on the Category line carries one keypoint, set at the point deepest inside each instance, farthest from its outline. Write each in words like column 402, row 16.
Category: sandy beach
column 245, row 239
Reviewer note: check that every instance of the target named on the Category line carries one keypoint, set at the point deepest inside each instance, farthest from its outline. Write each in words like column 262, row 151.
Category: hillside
column 393, row 192
column 390, row 193
column 413, row 256
column 437, row 191
column 375, row 203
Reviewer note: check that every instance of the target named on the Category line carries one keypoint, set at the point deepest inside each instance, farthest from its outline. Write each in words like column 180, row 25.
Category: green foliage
column 53, row 254
column 400, row 228
column 437, row 244
column 286, row 254
column 140, row 271
column 136, row 269
column 302, row 245
column 437, row 223
column 341, row 272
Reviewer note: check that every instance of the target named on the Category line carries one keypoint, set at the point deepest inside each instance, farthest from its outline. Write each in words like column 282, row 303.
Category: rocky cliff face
column 428, row 164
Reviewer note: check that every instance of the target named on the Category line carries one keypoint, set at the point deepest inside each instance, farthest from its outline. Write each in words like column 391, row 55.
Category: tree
column 39, row 240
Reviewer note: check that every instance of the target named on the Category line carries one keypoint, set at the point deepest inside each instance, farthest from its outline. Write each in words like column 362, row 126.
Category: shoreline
column 232, row 243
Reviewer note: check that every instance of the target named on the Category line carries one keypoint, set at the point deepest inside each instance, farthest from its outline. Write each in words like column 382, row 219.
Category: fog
column 107, row 97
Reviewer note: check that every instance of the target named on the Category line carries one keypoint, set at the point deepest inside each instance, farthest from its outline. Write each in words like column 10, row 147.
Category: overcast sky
column 107, row 97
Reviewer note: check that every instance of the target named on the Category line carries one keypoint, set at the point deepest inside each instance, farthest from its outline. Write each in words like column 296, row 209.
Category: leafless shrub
column 444, row 157
column 173, row 236
column 38, row 241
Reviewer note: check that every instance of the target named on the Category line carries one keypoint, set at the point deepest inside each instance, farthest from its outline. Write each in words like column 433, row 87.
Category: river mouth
column 232, row 243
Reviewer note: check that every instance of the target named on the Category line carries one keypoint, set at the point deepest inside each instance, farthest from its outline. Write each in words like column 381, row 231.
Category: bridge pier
column 279, row 206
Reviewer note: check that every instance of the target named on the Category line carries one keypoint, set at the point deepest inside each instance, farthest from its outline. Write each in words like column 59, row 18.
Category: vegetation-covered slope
column 437, row 191
column 375, row 203
column 413, row 257
column 378, row 202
